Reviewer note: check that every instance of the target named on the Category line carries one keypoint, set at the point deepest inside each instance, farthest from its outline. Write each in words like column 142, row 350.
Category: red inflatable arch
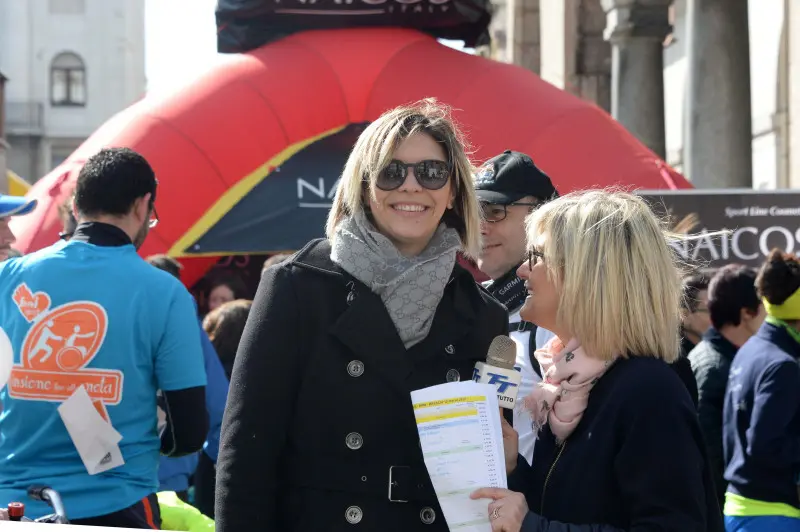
column 232, row 149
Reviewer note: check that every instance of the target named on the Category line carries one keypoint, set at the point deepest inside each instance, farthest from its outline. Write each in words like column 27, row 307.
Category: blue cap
column 15, row 205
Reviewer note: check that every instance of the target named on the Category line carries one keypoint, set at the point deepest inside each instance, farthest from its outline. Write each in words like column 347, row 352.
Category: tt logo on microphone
column 501, row 381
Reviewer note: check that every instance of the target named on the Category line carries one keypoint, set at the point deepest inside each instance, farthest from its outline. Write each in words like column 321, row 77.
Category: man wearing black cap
column 509, row 187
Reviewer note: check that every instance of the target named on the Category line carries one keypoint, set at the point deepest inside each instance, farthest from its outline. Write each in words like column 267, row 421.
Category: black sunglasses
column 533, row 256
column 495, row 212
column 431, row 174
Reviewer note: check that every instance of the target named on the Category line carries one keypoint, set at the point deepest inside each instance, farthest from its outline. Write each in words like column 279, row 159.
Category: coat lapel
column 454, row 319
column 366, row 328
column 368, row 331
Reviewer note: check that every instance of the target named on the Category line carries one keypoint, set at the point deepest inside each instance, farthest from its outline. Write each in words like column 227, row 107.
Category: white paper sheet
column 462, row 442
column 6, row 358
column 94, row 437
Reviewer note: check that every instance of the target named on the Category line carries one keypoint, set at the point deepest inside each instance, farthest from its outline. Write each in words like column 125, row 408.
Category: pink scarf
column 560, row 399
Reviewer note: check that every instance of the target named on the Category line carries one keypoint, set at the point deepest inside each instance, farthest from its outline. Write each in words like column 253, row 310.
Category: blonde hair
column 374, row 150
column 619, row 280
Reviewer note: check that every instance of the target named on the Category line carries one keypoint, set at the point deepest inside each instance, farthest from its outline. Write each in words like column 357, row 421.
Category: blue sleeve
column 216, row 395
column 174, row 473
column 179, row 358
column 774, row 408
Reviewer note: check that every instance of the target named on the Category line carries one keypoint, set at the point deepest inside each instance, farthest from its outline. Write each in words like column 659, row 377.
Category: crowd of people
column 651, row 398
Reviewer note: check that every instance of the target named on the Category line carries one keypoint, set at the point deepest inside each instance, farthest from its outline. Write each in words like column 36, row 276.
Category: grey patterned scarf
column 410, row 287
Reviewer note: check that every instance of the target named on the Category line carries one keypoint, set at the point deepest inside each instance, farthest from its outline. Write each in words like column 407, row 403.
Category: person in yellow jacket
column 177, row 515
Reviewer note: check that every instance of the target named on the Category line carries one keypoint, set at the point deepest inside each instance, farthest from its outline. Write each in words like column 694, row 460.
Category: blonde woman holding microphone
column 620, row 447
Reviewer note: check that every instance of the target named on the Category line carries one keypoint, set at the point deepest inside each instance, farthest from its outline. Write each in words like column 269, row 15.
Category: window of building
column 67, row 80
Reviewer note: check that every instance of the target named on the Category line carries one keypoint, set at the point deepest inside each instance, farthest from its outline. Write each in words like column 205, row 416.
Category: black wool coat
column 319, row 431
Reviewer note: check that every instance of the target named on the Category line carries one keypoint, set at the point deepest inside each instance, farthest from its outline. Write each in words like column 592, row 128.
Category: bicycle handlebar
column 53, row 499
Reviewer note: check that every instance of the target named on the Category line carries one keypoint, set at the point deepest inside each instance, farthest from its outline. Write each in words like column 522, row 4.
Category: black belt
column 397, row 483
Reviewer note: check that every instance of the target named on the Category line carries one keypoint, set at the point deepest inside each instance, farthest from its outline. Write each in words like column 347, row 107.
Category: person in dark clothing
column 224, row 326
column 620, row 447
column 175, row 473
column 223, row 288
column 761, row 416
column 736, row 314
column 319, row 433
column 510, row 186
column 694, row 321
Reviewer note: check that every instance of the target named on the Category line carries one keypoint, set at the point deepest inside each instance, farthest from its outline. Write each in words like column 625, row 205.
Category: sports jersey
column 100, row 317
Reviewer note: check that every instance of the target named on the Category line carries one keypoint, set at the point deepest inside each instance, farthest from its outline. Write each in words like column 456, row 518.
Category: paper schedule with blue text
column 462, row 443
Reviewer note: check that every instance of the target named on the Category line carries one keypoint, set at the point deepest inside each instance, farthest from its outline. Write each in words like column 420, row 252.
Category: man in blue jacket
column 761, row 415
column 174, row 473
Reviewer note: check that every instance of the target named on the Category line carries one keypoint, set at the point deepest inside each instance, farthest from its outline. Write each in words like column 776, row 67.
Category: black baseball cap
column 510, row 176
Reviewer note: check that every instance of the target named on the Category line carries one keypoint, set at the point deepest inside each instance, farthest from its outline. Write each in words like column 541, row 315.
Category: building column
column 574, row 55
column 636, row 30
column 523, row 32
column 792, row 14
column 718, row 140
column 498, row 32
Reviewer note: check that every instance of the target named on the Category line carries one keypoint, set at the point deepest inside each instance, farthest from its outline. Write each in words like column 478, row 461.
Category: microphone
column 498, row 370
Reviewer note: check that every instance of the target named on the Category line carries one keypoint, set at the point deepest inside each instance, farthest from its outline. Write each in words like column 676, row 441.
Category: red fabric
column 205, row 137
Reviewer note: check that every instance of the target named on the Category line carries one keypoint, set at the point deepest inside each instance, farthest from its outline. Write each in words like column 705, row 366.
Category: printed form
column 462, row 442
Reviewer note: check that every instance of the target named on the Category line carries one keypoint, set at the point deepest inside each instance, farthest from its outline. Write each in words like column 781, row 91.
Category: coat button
column 354, row 441
column 450, row 349
column 355, row 368
column 427, row 515
column 453, row 375
column 353, row 515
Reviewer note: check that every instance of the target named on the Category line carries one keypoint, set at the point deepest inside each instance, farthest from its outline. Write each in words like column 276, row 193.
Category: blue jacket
column 761, row 418
column 174, row 473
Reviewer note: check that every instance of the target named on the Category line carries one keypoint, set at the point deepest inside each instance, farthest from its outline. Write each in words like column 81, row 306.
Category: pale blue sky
column 173, row 55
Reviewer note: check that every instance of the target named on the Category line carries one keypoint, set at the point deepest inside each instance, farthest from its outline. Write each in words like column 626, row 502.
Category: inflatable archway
column 16, row 185
column 248, row 154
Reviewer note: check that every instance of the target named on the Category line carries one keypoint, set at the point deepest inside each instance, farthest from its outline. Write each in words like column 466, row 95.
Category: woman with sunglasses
column 319, row 432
